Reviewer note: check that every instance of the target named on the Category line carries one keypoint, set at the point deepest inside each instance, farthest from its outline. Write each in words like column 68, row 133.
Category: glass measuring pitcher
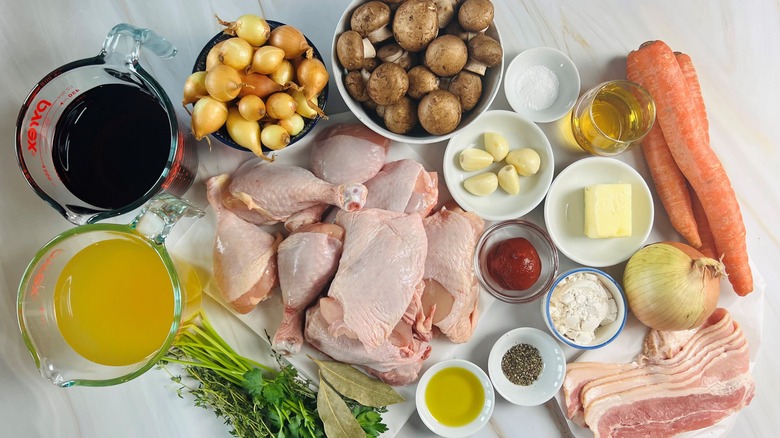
column 101, row 303
column 98, row 137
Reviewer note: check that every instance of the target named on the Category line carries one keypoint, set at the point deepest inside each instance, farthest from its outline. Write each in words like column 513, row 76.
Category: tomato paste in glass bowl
column 516, row 261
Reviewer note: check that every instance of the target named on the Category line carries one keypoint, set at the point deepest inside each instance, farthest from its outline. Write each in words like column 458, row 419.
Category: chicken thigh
column 348, row 153
column 373, row 315
column 267, row 193
column 405, row 186
column 450, row 282
column 244, row 254
column 307, row 260
column 380, row 271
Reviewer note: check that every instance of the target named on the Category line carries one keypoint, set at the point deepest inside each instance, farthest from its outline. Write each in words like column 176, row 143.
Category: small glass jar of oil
column 612, row 117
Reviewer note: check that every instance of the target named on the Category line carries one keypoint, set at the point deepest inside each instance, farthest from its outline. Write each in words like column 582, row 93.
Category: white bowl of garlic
column 499, row 167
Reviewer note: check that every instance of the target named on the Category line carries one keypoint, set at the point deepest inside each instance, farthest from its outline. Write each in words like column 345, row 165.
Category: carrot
column 688, row 141
column 692, row 79
column 707, row 240
column 669, row 181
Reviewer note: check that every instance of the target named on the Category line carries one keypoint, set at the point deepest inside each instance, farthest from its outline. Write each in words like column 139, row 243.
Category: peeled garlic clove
column 509, row 180
column 482, row 184
column 496, row 145
column 525, row 160
column 472, row 159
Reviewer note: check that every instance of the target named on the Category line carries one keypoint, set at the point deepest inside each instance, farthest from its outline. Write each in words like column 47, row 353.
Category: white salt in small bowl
column 542, row 84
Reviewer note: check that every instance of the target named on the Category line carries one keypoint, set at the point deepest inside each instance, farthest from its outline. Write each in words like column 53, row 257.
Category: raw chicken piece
column 307, row 260
column 348, row 153
column 396, row 361
column 450, row 282
column 380, row 272
column 244, row 255
column 405, row 186
column 266, row 193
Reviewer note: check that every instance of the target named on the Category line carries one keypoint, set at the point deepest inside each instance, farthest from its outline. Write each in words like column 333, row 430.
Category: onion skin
column 259, row 85
column 291, row 40
column 208, row 116
column 672, row 286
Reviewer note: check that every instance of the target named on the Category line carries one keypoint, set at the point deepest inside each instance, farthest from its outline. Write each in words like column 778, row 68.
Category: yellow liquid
column 612, row 122
column 454, row 396
column 114, row 302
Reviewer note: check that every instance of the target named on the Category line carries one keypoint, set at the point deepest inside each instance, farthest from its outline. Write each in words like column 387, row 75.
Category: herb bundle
column 257, row 400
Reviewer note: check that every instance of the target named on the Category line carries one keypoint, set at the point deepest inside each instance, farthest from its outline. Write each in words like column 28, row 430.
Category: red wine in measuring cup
column 111, row 145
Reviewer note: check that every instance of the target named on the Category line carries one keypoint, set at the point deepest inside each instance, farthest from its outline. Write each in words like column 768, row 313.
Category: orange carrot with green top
column 688, row 141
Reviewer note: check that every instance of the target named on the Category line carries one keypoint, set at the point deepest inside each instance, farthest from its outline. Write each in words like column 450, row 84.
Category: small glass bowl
column 538, row 237
column 604, row 334
column 222, row 134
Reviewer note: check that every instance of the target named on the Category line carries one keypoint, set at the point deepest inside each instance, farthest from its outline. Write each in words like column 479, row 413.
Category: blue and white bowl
column 604, row 334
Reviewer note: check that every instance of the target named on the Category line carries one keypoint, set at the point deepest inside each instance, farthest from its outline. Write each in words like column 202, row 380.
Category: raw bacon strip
column 665, row 409
column 681, row 382
column 658, row 346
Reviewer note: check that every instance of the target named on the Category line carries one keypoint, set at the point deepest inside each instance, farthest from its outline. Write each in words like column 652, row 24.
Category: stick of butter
column 608, row 211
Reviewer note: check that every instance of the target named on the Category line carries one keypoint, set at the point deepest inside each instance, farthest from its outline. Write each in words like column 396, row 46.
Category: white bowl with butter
column 585, row 308
column 610, row 211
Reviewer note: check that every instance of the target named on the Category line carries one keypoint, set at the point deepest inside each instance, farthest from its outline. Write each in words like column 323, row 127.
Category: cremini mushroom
column 421, row 81
column 467, row 87
column 369, row 64
column 445, row 11
column 439, row 112
column 355, row 83
column 387, row 83
column 392, row 52
column 400, row 117
column 352, row 50
column 372, row 20
column 475, row 15
column 415, row 24
column 454, row 28
column 484, row 52
column 446, row 55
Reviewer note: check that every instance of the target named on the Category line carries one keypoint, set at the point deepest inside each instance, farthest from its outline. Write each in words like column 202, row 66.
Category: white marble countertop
column 733, row 45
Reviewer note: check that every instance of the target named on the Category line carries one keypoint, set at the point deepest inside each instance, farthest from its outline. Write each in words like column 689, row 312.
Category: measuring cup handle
column 142, row 38
column 160, row 214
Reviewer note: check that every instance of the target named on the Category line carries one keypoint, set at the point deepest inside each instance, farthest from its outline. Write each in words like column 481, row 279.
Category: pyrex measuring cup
column 101, row 303
column 98, row 137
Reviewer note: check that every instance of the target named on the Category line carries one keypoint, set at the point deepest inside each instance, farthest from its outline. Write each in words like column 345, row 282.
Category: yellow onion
column 284, row 74
column 266, row 60
column 291, row 40
column 212, row 58
column 252, row 28
column 293, row 124
column 223, row 83
column 259, row 85
column 312, row 76
column 236, row 53
column 274, row 137
column 194, row 88
column 280, row 105
column 208, row 116
column 251, row 108
column 672, row 286
column 244, row 132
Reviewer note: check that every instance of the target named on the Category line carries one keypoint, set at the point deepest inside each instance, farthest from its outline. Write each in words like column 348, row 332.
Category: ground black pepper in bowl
column 522, row 364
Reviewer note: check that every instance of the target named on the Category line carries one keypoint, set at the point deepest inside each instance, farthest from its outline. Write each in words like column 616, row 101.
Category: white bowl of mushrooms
column 418, row 71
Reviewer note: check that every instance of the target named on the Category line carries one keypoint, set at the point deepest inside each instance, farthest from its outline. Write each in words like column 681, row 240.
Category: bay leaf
column 351, row 383
column 335, row 414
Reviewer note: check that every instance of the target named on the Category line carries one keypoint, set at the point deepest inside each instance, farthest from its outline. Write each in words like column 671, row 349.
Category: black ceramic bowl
column 222, row 135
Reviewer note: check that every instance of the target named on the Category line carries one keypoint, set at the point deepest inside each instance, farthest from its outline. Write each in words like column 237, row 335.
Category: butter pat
column 608, row 211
